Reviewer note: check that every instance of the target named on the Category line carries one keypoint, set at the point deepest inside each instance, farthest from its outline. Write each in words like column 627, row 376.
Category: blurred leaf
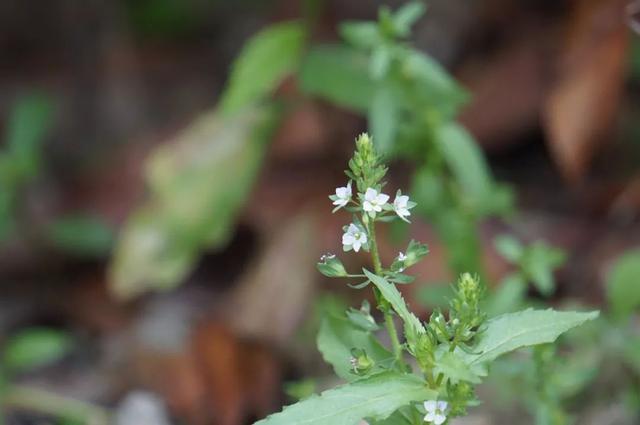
column 349, row 403
column 453, row 367
column 538, row 262
column 466, row 162
column 509, row 247
column 198, row 183
column 623, row 284
column 338, row 74
column 435, row 296
column 29, row 122
column 35, row 347
column 383, row 118
column 360, row 34
column 508, row 297
column 299, row 390
column 266, row 59
column 338, row 336
column 407, row 15
column 81, row 235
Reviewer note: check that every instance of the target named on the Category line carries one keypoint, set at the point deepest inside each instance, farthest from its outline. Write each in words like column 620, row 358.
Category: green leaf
column 339, row 75
column 373, row 398
column 35, row 347
column 623, row 284
column 338, row 336
column 197, row 185
column 511, row 331
column 383, row 119
column 407, row 15
column 412, row 324
column 453, row 367
column 538, row 262
column 509, row 247
column 361, row 34
column 466, row 161
column 508, row 297
column 266, row 59
column 81, row 235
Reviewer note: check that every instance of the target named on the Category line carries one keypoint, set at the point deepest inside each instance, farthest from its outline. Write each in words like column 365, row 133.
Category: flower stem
column 388, row 318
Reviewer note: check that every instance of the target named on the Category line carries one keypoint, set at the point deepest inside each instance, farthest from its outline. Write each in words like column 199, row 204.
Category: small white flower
column 401, row 256
column 374, row 201
column 354, row 238
column 436, row 411
column 342, row 196
column 401, row 206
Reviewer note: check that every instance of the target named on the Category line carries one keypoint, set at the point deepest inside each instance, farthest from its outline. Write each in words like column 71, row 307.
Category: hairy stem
column 388, row 318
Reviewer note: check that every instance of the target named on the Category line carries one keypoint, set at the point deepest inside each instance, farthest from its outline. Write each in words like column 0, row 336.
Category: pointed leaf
column 373, row 398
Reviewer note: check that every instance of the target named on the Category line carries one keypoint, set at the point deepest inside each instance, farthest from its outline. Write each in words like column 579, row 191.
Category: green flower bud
column 361, row 363
column 331, row 266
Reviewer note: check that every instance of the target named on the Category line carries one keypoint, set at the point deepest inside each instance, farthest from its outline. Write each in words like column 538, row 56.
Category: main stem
column 388, row 318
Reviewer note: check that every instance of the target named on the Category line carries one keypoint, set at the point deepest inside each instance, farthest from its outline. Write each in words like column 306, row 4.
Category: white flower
column 354, row 238
column 401, row 206
column 342, row 196
column 436, row 411
column 374, row 201
column 401, row 256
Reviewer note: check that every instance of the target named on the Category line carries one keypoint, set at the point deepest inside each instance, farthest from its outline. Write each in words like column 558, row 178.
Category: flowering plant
column 429, row 371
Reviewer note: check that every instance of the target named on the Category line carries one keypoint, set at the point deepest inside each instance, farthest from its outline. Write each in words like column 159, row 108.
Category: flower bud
column 361, row 363
column 331, row 266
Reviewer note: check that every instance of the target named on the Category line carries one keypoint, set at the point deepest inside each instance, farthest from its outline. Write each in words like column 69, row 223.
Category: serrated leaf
column 338, row 74
column 266, row 59
column 373, row 398
column 391, row 294
column 198, row 182
column 338, row 336
column 511, row 331
column 35, row 347
column 623, row 284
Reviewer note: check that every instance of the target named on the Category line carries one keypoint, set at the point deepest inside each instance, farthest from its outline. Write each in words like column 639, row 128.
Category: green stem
column 388, row 318
column 21, row 397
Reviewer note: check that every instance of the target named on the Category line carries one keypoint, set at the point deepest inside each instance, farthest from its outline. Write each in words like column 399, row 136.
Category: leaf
column 35, row 347
column 361, row 34
column 623, row 284
column 81, row 235
column 393, row 296
column 266, row 59
column 466, row 161
column 407, row 15
column 452, row 366
column 509, row 247
column 372, row 398
column 338, row 336
column 508, row 297
column 538, row 262
column 511, row 331
column 338, row 74
column 197, row 183
column 383, row 119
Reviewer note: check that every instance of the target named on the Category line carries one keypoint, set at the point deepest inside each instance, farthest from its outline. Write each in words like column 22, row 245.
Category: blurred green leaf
column 266, row 59
column 197, row 184
column 509, row 247
column 466, row 161
column 361, row 34
column 383, row 118
column 454, row 367
column 407, row 15
column 35, row 347
column 508, row 297
column 435, row 295
column 623, row 284
column 81, row 235
column 300, row 390
column 338, row 74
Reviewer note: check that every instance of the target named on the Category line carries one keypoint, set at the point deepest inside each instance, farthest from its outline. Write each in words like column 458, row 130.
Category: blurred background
column 164, row 173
